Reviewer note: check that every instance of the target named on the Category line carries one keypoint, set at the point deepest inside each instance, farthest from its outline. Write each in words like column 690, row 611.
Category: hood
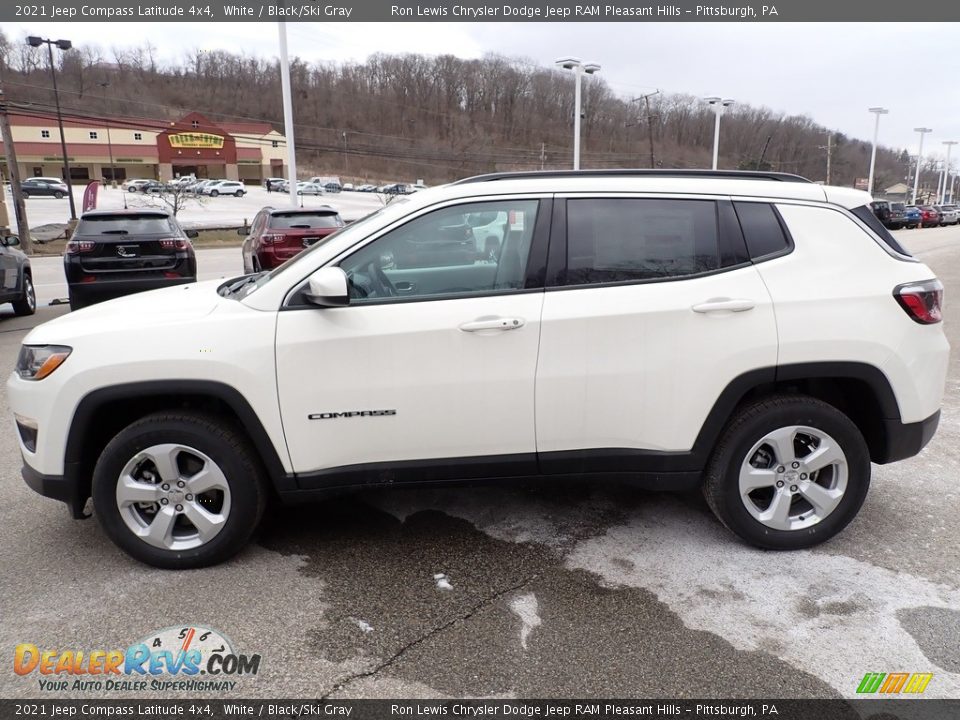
column 178, row 304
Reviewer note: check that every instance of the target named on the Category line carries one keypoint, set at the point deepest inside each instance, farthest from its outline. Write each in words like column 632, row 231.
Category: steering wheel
column 384, row 286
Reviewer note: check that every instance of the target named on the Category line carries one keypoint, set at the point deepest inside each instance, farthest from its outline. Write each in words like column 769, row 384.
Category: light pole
column 946, row 171
column 346, row 170
column 288, row 113
column 878, row 111
column 916, row 179
column 718, row 105
column 579, row 67
column 113, row 177
column 34, row 41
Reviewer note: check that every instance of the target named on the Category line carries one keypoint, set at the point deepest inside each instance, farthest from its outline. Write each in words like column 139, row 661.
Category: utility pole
column 542, row 155
column 829, row 154
column 20, row 211
column 646, row 101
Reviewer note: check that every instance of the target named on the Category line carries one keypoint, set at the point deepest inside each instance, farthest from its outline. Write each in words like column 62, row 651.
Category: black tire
column 214, row 193
column 222, row 442
column 58, row 195
column 27, row 304
column 749, row 426
column 25, row 194
column 239, row 193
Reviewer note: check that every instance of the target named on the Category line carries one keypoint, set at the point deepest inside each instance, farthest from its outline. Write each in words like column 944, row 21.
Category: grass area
column 220, row 238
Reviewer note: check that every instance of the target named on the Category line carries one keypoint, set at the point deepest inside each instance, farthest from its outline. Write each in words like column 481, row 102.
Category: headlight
column 37, row 361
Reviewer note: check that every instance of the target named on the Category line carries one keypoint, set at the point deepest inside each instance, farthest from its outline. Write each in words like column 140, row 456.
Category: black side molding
column 226, row 394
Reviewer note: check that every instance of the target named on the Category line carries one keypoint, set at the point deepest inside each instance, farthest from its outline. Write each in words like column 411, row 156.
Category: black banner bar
column 478, row 11
column 901, row 709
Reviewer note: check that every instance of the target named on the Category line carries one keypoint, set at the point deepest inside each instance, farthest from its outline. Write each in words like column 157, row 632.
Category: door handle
column 497, row 323
column 724, row 304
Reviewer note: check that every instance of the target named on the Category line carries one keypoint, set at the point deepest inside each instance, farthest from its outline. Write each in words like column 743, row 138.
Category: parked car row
column 897, row 215
column 211, row 187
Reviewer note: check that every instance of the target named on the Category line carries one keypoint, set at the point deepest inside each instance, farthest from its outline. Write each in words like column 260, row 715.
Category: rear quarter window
column 762, row 229
column 865, row 215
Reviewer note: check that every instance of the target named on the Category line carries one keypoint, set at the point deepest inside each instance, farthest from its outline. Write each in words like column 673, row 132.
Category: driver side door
column 428, row 373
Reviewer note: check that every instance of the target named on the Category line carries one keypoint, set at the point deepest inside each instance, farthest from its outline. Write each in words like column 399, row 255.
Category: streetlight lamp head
column 591, row 68
column 64, row 44
column 569, row 62
column 922, row 130
column 34, row 41
column 878, row 110
column 712, row 100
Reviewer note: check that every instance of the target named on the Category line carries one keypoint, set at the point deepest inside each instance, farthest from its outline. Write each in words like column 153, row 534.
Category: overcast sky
column 832, row 72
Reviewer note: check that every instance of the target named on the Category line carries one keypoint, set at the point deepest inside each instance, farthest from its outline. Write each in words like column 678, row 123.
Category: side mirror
column 327, row 287
column 192, row 233
column 11, row 241
column 243, row 232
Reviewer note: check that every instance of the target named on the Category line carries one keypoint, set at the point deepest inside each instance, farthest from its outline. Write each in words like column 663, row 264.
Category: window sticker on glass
column 516, row 220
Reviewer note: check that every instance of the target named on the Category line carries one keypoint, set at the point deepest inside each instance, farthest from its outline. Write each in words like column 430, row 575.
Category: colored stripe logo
column 894, row 683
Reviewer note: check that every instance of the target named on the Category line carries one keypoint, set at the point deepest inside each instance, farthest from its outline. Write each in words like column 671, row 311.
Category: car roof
column 126, row 211
column 704, row 182
column 301, row 210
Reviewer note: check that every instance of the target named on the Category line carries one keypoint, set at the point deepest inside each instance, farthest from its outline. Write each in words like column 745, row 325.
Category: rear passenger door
column 652, row 307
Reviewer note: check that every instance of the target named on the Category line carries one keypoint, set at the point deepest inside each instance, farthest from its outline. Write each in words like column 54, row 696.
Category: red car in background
column 277, row 235
column 929, row 216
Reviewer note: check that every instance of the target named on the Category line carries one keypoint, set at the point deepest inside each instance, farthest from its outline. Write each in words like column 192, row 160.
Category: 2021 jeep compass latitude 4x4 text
column 754, row 334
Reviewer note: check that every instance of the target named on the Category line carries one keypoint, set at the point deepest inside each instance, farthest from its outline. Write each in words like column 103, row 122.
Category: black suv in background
column 891, row 214
column 119, row 252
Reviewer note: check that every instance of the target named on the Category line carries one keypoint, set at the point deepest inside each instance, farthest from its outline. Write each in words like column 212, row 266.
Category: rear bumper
column 65, row 488
column 106, row 289
column 907, row 439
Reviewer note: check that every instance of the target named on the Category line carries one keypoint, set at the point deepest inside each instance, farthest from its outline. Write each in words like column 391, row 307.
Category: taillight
column 75, row 247
column 173, row 244
column 922, row 301
column 270, row 238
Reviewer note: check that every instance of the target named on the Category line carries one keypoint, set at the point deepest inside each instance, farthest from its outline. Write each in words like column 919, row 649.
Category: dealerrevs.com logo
column 184, row 658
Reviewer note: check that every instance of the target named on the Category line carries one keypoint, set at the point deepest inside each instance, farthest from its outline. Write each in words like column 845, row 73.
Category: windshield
column 359, row 227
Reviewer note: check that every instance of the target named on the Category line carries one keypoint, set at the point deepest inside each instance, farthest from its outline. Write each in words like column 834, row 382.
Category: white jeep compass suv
column 753, row 334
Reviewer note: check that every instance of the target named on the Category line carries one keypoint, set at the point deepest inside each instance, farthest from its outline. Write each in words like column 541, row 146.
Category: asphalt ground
column 544, row 590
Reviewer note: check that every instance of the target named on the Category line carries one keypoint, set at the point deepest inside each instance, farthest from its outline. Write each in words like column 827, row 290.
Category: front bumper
column 907, row 439
column 66, row 488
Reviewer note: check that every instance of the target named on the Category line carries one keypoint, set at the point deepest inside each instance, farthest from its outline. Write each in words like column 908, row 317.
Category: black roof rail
column 642, row 172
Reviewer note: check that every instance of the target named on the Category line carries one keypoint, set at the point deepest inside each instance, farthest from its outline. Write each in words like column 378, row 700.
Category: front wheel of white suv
column 789, row 472
column 179, row 490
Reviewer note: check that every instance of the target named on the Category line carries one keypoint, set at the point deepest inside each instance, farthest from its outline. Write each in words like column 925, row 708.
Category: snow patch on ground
column 528, row 610
column 832, row 616
column 443, row 583
column 362, row 624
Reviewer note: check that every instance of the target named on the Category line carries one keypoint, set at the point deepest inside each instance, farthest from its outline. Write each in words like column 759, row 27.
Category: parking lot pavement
column 535, row 590
column 222, row 211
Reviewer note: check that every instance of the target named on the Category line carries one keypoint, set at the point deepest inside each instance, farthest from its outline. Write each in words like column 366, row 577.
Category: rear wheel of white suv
column 179, row 490
column 789, row 472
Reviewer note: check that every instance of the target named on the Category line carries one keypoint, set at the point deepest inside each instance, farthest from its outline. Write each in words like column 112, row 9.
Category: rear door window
column 633, row 239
